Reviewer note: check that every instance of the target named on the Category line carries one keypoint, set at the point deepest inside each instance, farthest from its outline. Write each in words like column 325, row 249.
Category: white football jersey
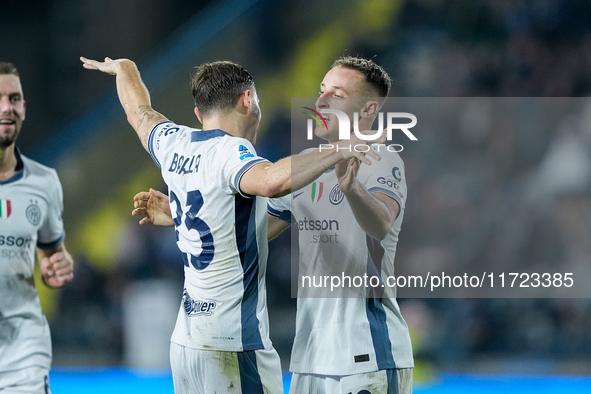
column 31, row 204
column 355, row 334
column 222, row 235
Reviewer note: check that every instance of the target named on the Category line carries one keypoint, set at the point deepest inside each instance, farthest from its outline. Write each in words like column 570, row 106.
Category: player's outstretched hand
column 109, row 66
column 155, row 206
column 57, row 270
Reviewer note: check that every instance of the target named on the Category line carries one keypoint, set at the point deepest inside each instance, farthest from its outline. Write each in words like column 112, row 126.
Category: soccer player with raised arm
column 31, row 204
column 353, row 344
column 215, row 178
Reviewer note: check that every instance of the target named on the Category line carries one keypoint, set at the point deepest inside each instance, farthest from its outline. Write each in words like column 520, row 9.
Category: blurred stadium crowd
column 488, row 190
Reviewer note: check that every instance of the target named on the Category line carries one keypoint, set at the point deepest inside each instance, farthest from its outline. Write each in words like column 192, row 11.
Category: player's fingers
column 61, row 280
column 141, row 211
column 362, row 158
column 64, row 271
column 352, row 168
column 373, row 154
column 46, row 266
column 145, row 220
column 140, row 203
column 141, row 196
column 89, row 63
column 158, row 194
column 56, row 257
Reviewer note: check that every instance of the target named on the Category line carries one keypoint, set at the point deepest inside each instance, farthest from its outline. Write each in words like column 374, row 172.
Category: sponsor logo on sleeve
column 244, row 152
column 397, row 174
column 388, row 182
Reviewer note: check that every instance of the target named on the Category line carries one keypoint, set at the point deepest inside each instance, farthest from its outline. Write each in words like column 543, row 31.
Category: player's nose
column 322, row 101
column 5, row 105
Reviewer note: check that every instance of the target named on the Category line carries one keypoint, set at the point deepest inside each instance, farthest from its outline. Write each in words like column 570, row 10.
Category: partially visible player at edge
column 358, row 343
column 31, row 204
column 220, row 342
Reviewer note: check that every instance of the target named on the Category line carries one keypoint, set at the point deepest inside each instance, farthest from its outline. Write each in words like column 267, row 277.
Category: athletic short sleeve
column 51, row 233
column 385, row 176
column 280, row 208
column 236, row 156
column 162, row 139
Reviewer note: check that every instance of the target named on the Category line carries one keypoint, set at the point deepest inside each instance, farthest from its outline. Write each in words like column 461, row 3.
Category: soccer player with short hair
column 215, row 177
column 355, row 344
column 31, row 205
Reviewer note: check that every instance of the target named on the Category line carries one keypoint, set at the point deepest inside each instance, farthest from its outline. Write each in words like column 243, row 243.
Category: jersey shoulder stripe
column 387, row 192
column 151, row 142
column 241, row 172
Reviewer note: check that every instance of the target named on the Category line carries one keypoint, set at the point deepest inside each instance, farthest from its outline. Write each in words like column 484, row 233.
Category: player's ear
column 198, row 115
column 369, row 109
column 246, row 101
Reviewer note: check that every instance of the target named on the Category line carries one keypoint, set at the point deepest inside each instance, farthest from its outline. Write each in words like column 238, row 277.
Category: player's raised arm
column 294, row 172
column 132, row 92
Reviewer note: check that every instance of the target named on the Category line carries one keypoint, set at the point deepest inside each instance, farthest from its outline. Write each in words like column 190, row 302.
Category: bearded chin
column 5, row 142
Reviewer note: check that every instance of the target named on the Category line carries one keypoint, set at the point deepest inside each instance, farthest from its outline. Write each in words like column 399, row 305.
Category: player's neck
column 8, row 163
column 231, row 125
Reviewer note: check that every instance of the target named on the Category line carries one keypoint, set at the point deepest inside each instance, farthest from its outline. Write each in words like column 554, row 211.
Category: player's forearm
column 288, row 174
column 295, row 172
column 306, row 168
column 131, row 90
column 372, row 215
column 135, row 99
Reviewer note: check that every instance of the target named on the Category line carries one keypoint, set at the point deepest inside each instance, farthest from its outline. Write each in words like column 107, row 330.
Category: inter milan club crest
column 317, row 191
column 5, row 209
column 33, row 214
column 336, row 195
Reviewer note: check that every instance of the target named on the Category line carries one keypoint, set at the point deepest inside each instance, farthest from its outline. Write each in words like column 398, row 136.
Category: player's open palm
column 346, row 172
column 109, row 66
column 155, row 206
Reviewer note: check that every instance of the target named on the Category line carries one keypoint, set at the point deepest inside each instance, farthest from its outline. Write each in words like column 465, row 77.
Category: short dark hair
column 377, row 80
column 8, row 68
column 217, row 86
